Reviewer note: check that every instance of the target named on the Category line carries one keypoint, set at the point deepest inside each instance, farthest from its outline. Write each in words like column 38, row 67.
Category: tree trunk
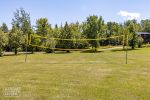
column 1, row 52
column 95, row 50
column 133, row 47
column 68, row 51
column 123, row 47
column 32, row 50
column 16, row 51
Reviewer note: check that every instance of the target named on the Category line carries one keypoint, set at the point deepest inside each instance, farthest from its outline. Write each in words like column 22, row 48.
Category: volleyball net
column 77, row 44
column 114, row 43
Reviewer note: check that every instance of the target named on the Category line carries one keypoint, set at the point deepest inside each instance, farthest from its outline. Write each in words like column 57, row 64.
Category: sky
column 60, row 11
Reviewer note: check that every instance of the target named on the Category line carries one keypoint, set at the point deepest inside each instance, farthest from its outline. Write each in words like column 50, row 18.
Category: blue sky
column 59, row 11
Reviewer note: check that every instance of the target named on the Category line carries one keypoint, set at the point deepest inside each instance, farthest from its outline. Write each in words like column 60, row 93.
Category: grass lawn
column 77, row 76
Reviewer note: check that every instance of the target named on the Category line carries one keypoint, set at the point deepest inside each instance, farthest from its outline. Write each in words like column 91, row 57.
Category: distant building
column 145, row 36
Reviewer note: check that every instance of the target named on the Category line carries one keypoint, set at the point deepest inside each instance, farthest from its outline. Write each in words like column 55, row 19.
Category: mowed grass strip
column 78, row 76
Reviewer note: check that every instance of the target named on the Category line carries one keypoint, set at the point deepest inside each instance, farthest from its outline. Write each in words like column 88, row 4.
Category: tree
column 22, row 20
column 34, row 41
column 56, row 31
column 112, row 30
column 43, row 28
column 66, row 34
column 133, row 27
column 139, row 41
column 145, row 25
column 17, row 38
column 76, row 31
column 125, row 33
column 4, row 28
column 3, row 41
column 93, row 29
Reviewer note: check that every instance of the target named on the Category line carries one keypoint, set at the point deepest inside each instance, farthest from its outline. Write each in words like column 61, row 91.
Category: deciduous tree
column 3, row 41
column 17, row 38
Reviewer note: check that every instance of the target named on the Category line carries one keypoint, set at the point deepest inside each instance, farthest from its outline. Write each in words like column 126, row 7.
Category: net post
column 127, row 49
column 26, row 48
column 123, row 43
column 29, row 42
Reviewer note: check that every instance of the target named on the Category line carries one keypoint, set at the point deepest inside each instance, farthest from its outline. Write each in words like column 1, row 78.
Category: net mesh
column 76, row 44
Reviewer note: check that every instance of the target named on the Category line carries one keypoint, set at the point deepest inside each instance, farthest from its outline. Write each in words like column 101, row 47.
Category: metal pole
column 126, row 55
column 127, row 49
column 26, row 48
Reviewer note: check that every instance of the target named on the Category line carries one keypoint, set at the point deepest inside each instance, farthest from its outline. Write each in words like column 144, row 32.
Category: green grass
column 78, row 76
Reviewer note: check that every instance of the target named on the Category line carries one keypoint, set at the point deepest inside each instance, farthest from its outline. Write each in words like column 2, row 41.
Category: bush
column 49, row 50
column 146, row 45
column 139, row 41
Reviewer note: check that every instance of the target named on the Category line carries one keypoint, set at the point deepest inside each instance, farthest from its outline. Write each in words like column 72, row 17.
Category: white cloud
column 129, row 15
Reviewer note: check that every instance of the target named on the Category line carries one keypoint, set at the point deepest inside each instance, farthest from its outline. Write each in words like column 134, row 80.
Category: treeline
column 15, row 39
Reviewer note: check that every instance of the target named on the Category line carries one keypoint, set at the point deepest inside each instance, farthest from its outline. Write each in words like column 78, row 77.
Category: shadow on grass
column 70, row 63
column 117, row 50
column 62, row 52
column 11, row 54
column 91, row 51
column 58, row 52
column 82, row 51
